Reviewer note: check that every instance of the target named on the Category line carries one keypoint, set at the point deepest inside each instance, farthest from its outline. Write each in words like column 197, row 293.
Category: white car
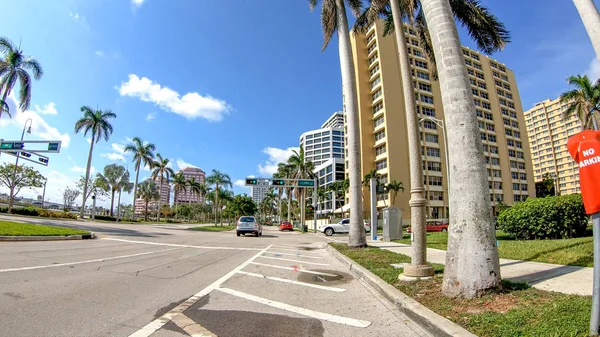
column 340, row 227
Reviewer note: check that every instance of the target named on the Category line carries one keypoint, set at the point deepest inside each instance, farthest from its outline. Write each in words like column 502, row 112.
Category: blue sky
column 224, row 84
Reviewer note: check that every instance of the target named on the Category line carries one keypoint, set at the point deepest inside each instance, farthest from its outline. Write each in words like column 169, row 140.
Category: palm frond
column 6, row 46
column 485, row 29
column 425, row 42
column 328, row 21
column 313, row 4
column 24, row 90
column 355, row 6
column 32, row 64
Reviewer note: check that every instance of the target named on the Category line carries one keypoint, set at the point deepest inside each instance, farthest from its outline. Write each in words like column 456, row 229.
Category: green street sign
column 53, row 146
column 306, row 183
column 7, row 146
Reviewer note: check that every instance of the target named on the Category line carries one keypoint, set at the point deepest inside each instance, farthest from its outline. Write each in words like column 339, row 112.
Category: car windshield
column 247, row 219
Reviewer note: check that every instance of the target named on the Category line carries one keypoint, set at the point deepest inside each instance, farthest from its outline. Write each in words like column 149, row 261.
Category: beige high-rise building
column 383, row 137
column 165, row 197
column 548, row 133
column 187, row 196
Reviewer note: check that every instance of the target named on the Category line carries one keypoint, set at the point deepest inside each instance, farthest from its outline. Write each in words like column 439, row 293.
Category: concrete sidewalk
column 544, row 276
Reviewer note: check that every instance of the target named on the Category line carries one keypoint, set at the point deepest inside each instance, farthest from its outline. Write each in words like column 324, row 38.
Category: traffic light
column 43, row 160
column 278, row 182
column 251, row 182
column 25, row 154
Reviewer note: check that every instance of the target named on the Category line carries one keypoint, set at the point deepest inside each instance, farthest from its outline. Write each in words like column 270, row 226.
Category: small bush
column 105, row 217
column 3, row 209
column 30, row 211
column 57, row 215
column 172, row 221
column 545, row 218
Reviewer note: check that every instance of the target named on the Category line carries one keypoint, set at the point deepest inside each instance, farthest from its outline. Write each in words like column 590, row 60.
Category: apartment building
column 187, row 196
column 383, row 136
column 165, row 198
column 548, row 133
column 335, row 121
column 258, row 191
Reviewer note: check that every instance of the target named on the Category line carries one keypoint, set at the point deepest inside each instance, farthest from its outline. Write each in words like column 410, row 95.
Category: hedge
column 545, row 218
column 105, row 217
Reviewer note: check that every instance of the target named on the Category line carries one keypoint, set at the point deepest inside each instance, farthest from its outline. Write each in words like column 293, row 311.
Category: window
column 372, row 48
column 374, row 70
column 519, row 145
column 523, row 176
column 508, row 132
column 325, row 139
column 490, row 127
column 505, row 112
column 517, row 197
column 513, row 164
column 377, row 107
column 486, row 105
column 512, row 153
column 378, row 121
column 417, row 53
column 435, row 181
column 498, row 83
column 491, row 138
column 339, row 133
column 422, row 75
column 380, row 135
column 380, row 150
column 520, row 155
column 380, row 165
column 502, row 68
column 495, row 161
column 431, row 138
column 468, row 62
column 337, row 144
column 515, row 124
column 372, row 59
column 513, row 114
column 485, row 147
column 481, row 125
column 506, row 86
column 479, row 113
column 511, row 105
column 433, row 152
column 510, row 142
column 516, row 187
column 337, row 149
column 489, row 116
column 482, row 85
column 421, row 64
column 484, row 95
column 504, row 77
column 436, row 195
column 473, row 82
column 479, row 75
column 326, row 150
column 477, row 65
column 475, row 56
column 502, row 101
column 337, row 138
column 434, row 166
column 429, row 125
column 494, row 65
column 471, row 72
column 506, row 122
column 475, row 92
column 426, row 99
column 308, row 142
column 508, row 95
column 375, row 82
column 377, row 94
column 424, row 87
column 517, row 134
column 415, row 43
column 521, row 166
column 428, row 111
column 494, row 149
column 483, row 136
column 523, row 187
column 465, row 52
column 496, row 74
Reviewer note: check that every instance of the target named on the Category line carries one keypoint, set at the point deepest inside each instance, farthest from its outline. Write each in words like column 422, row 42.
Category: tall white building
column 335, row 121
column 259, row 190
column 325, row 143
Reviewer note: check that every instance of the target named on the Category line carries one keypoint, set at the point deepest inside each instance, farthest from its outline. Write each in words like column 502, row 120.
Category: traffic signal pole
column 315, row 205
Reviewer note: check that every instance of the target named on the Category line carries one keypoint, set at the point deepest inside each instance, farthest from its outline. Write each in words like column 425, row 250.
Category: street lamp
column 440, row 123
column 555, row 181
column 14, row 177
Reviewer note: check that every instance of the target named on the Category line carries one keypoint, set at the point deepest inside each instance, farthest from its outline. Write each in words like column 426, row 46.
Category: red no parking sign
column 584, row 147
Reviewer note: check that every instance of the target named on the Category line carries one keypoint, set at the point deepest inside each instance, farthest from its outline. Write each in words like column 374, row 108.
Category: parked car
column 434, row 226
column 286, row 226
column 248, row 225
column 340, row 227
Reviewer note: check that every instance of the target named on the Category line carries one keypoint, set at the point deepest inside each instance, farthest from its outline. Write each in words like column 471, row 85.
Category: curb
column 48, row 238
column 427, row 319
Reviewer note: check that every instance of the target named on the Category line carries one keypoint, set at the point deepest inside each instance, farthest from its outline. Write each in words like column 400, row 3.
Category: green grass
column 570, row 252
column 515, row 310
column 213, row 228
column 8, row 228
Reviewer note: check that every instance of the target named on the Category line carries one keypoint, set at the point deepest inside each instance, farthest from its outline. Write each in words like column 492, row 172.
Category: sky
column 227, row 85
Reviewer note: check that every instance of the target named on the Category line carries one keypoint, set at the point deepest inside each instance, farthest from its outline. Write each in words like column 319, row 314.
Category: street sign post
column 584, row 147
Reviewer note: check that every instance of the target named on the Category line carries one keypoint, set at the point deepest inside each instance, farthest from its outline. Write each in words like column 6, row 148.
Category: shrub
column 545, row 218
column 105, row 217
column 3, row 209
column 54, row 214
column 25, row 211
column 172, row 221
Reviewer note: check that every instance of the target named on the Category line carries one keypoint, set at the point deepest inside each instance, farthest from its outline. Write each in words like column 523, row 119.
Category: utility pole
column 373, row 190
column 44, row 193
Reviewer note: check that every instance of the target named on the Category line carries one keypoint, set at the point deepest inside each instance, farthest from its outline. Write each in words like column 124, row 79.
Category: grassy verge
column 516, row 310
column 570, row 252
column 8, row 228
column 213, row 228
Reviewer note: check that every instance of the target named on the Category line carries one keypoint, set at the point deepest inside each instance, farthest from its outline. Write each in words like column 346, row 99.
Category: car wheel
column 329, row 231
column 444, row 230
column 238, row 233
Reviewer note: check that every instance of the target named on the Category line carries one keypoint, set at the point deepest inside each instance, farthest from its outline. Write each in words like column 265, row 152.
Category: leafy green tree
column 95, row 122
column 301, row 169
column 94, row 187
column 126, row 185
column 394, row 187
column 110, row 181
column 143, row 153
column 19, row 177
column 148, row 192
column 545, row 188
column 218, row 179
column 583, row 101
column 163, row 172
column 69, row 196
column 284, row 170
column 243, row 205
column 179, row 187
column 13, row 67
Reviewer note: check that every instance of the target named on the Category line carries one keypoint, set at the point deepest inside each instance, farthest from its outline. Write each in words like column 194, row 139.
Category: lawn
column 213, row 228
column 8, row 228
column 516, row 310
column 571, row 252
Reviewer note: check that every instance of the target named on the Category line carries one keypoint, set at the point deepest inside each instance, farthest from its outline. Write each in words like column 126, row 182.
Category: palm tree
column 584, row 101
column 111, row 181
column 472, row 264
column 322, row 195
column 268, row 201
column 367, row 178
column 4, row 108
column 98, row 125
column 143, row 153
column 591, row 21
column 218, row 178
column 123, row 185
column 394, row 187
column 301, row 169
column 284, row 171
column 179, row 186
column 14, row 67
column 162, row 170
column 334, row 19
column 148, row 192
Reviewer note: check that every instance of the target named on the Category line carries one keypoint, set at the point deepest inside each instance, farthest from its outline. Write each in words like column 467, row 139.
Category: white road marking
column 291, row 260
column 293, row 269
column 339, row 290
column 82, row 262
column 158, row 323
column 178, row 245
column 298, row 255
column 298, row 310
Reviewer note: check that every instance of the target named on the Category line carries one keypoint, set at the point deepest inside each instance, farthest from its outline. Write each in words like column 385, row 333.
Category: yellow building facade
column 548, row 133
column 383, row 136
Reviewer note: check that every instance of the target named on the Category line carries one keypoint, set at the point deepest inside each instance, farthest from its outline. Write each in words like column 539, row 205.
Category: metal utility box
column 392, row 224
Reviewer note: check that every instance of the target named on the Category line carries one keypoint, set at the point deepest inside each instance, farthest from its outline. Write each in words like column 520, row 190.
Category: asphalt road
column 142, row 280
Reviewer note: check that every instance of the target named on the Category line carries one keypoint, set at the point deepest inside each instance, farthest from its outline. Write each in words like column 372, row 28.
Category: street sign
column 306, row 183
column 54, row 147
column 11, row 145
column 33, row 146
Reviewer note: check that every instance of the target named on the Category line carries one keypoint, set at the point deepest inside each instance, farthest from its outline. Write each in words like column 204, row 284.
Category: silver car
column 248, row 225
column 340, row 227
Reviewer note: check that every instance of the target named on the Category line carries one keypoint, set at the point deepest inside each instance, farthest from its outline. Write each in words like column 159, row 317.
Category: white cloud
column 593, row 71
column 78, row 169
column 118, row 148
column 137, row 3
column 79, row 19
column 191, row 105
column 49, row 109
column 99, row 53
column 39, row 127
column 88, row 140
column 183, row 165
column 113, row 156
column 151, row 116
column 117, row 54
column 276, row 156
column 240, row 183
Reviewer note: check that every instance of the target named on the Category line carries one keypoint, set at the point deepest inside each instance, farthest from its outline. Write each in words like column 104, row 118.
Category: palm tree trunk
column 356, row 237
column 146, row 212
column 289, row 208
column 135, row 186
column 472, row 264
column 159, row 200
column 112, row 201
column 119, row 206
column 87, row 175
column 216, row 201
column 417, row 198
column 591, row 21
